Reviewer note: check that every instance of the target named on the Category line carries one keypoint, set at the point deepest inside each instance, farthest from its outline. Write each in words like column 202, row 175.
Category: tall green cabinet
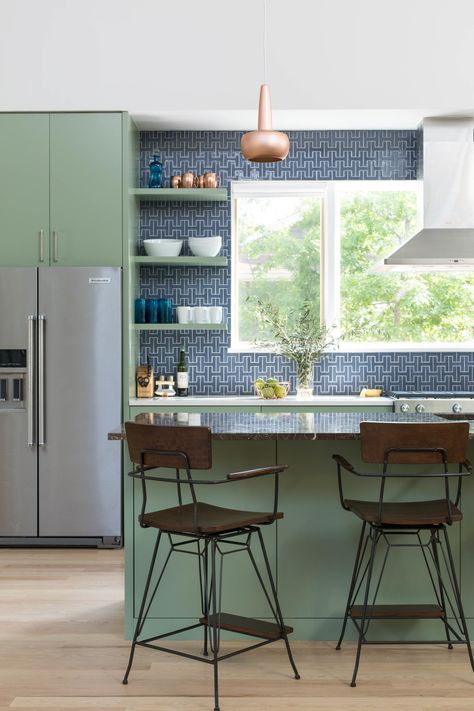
column 61, row 189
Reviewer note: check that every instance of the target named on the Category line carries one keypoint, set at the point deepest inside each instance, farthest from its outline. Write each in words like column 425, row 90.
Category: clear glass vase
column 304, row 383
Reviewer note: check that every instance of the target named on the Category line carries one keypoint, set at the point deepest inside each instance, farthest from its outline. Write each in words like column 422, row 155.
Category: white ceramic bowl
column 163, row 247
column 205, row 246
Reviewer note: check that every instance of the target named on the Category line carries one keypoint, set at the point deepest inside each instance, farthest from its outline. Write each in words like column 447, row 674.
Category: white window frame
column 330, row 193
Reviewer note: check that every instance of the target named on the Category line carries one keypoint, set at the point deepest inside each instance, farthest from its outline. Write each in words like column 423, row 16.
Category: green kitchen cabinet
column 86, row 189
column 24, row 189
column 61, row 189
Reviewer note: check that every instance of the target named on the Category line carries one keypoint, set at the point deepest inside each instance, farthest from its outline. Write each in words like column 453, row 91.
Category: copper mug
column 175, row 181
column 210, row 180
column 187, row 180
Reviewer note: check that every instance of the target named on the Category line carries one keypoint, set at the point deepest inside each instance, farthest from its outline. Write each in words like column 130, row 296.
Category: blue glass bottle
column 156, row 172
column 139, row 310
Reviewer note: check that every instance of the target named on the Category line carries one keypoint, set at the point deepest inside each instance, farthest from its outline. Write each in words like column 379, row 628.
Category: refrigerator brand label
column 99, row 280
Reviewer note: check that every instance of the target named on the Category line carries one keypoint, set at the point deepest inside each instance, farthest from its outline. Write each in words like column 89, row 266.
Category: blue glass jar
column 165, row 310
column 151, row 311
column 156, row 172
column 139, row 310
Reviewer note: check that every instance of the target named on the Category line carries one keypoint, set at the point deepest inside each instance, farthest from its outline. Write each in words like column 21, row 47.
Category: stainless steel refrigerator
column 60, row 393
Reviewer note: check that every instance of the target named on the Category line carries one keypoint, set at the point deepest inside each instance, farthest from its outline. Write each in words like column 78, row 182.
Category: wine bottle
column 182, row 375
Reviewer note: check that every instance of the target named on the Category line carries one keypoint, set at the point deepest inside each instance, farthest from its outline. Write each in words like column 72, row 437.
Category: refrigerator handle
column 41, row 403
column 31, row 379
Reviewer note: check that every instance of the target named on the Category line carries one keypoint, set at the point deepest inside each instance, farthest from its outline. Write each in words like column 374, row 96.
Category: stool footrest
column 398, row 612
column 247, row 625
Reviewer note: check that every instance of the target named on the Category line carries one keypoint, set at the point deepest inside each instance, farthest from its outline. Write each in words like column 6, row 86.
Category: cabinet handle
column 55, row 246
column 41, row 245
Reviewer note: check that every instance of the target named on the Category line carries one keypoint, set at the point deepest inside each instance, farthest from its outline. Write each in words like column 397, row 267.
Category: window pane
column 425, row 307
column 278, row 255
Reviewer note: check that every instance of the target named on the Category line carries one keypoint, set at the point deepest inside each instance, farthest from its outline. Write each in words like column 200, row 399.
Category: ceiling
column 188, row 64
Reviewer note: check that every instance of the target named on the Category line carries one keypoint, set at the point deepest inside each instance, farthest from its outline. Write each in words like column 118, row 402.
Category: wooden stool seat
column 210, row 519
column 409, row 513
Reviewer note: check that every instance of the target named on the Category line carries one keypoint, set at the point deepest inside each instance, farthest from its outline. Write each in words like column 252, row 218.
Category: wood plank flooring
column 61, row 647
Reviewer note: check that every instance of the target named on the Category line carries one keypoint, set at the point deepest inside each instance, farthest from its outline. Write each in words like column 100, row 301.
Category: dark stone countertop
column 289, row 426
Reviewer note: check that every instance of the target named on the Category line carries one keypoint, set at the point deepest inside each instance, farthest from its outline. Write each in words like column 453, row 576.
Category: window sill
column 376, row 348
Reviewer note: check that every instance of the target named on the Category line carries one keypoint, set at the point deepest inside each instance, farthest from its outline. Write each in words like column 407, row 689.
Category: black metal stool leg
column 362, row 628
column 215, row 625
column 142, row 608
column 277, row 605
column 205, row 593
column 457, row 595
column 355, row 575
column 434, row 546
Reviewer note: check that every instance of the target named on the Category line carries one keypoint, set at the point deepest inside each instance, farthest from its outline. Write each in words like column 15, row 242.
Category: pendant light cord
column 264, row 41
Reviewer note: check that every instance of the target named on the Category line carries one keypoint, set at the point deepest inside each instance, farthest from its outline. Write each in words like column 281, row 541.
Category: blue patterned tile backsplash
column 314, row 155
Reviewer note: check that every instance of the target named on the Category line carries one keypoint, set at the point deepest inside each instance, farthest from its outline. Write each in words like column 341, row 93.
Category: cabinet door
column 86, row 189
column 24, row 189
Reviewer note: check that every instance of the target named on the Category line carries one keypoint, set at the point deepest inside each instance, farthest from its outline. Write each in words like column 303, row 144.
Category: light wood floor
column 61, row 647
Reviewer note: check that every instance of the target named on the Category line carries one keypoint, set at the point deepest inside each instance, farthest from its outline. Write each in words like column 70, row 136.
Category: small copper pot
column 187, row 180
column 175, row 181
column 200, row 181
column 210, row 180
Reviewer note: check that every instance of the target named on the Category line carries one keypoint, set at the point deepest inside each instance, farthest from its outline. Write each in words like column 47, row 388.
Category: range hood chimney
column 446, row 241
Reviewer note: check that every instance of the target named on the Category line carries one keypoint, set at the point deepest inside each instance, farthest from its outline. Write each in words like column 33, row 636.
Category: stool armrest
column 341, row 461
column 466, row 464
column 262, row 471
column 252, row 473
column 174, row 480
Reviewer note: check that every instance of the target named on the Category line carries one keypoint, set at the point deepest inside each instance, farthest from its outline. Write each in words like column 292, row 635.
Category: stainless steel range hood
column 446, row 241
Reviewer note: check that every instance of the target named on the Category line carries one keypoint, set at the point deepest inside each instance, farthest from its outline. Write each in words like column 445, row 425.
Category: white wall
column 201, row 55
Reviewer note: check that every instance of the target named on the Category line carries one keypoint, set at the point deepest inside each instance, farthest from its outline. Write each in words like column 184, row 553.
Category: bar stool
column 206, row 531
column 434, row 445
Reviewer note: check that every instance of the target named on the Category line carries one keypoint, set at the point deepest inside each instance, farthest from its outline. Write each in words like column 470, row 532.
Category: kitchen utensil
column 163, row 247
column 165, row 311
column 215, row 314
column 151, row 310
column 164, row 386
column 175, row 181
column 140, row 310
column 201, row 314
column 187, row 179
column 210, row 180
column 184, row 314
column 205, row 246
column 145, row 381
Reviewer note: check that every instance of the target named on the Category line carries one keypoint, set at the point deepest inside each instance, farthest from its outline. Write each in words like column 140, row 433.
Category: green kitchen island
column 312, row 549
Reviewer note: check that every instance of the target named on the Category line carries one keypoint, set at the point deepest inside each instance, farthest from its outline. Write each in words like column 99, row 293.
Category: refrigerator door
column 18, row 460
column 79, row 469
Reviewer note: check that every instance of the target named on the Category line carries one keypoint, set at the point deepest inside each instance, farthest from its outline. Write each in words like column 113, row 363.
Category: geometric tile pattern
column 314, row 155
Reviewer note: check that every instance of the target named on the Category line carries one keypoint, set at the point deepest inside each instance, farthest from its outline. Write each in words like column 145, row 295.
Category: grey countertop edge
column 278, row 426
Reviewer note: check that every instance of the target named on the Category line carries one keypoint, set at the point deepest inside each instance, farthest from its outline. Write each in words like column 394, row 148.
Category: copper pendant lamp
column 265, row 145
